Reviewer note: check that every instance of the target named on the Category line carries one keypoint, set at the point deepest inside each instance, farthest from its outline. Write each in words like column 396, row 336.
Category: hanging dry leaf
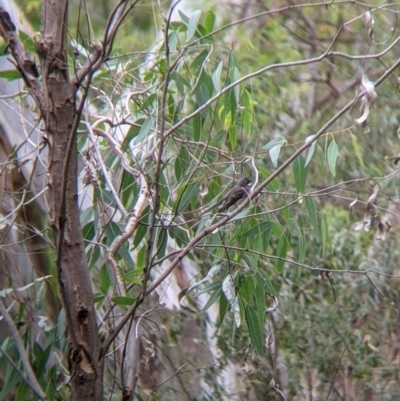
column 369, row 23
column 371, row 212
column 366, row 102
column 324, row 274
column 203, row 190
column 181, row 298
column 374, row 197
column 269, row 340
column 245, row 367
column 395, row 159
column 352, row 204
column 273, row 304
column 149, row 349
column 383, row 228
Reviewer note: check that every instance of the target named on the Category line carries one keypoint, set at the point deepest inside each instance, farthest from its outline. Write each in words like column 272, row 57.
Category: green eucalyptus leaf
column 246, row 289
column 324, row 232
column 232, row 137
column 105, row 279
column 192, row 25
column 302, row 249
column 311, row 149
column 357, row 150
column 28, row 42
column 256, row 332
column 279, row 141
column 209, row 21
column 10, row 75
column 332, row 154
column 211, row 301
column 196, row 125
column 258, row 229
column 216, row 78
column 186, row 194
column 236, row 89
column 12, row 378
column 300, row 174
column 260, row 302
column 145, row 130
column 264, row 280
column 283, row 247
column 312, row 213
column 184, row 17
column 123, row 301
column 22, row 392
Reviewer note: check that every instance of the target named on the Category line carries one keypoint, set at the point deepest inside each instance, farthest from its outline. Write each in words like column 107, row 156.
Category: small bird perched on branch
column 241, row 190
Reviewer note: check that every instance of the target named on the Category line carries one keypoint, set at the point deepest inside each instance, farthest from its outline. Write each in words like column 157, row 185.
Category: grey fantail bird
column 241, row 190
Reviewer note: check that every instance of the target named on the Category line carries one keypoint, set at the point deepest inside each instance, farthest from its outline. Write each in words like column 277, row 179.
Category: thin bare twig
column 105, row 172
column 336, row 370
column 380, row 293
column 131, row 225
column 159, row 153
column 133, row 217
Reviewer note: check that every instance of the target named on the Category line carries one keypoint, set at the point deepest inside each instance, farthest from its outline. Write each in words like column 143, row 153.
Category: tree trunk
column 56, row 96
column 58, row 107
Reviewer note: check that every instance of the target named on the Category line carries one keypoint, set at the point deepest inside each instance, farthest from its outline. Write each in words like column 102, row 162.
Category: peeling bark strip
column 55, row 96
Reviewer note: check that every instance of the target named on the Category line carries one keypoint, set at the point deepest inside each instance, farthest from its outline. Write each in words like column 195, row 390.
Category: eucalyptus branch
column 302, row 265
column 105, row 172
column 25, row 66
column 327, row 53
column 131, row 225
column 159, row 153
column 245, row 78
column 328, row 191
column 30, row 375
column 177, row 372
column 220, row 152
column 65, row 170
column 102, row 52
column 336, row 370
column 271, row 12
column 258, row 190
column 381, row 294
column 117, row 150
column 133, row 217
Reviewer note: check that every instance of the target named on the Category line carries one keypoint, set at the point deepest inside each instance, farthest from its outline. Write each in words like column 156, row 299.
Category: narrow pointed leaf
column 274, row 154
column 333, row 151
column 193, row 21
column 302, row 249
column 311, row 149
column 300, row 174
column 216, row 78
column 210, row 21
column 236, row 88
column 263, row 278
column 357, row 150
column 312, row 213
column 229, row 290
column 324, row 232
column 255, row 330
column 275, row 142
column 283, row 247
